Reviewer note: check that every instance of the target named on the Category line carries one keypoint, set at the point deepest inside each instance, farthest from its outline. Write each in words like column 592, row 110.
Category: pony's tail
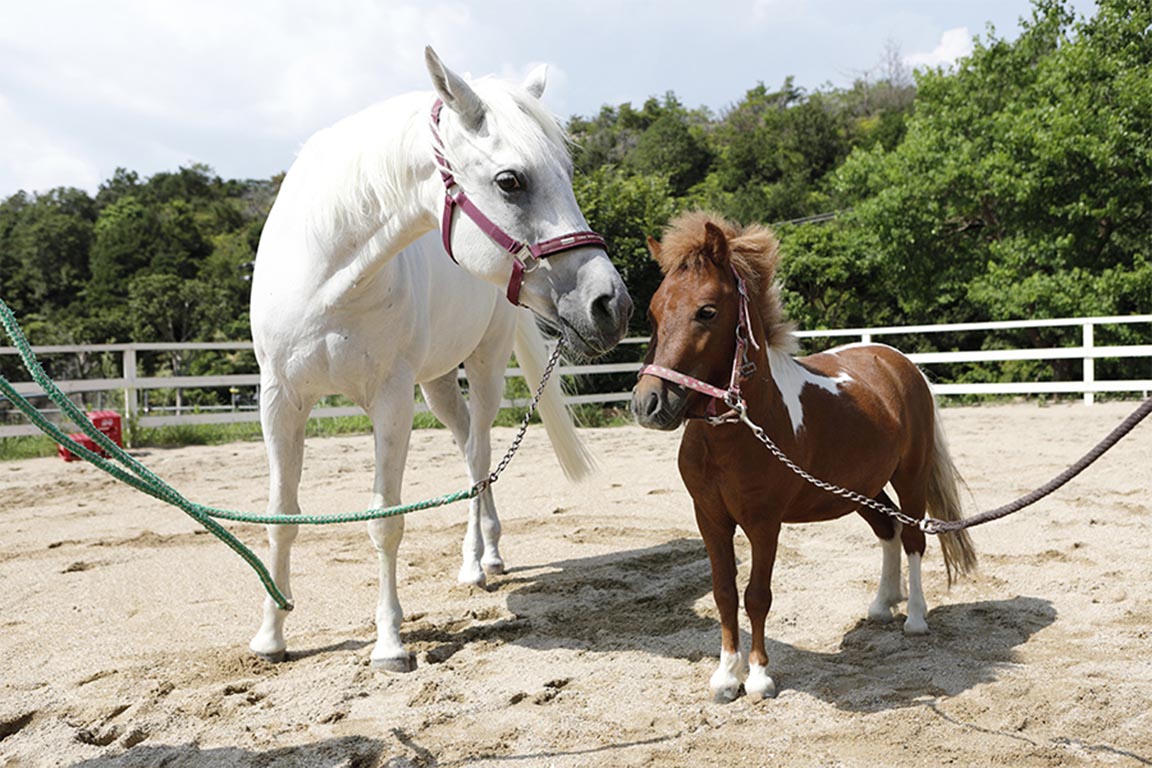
column 944, row 504
column 532, row 356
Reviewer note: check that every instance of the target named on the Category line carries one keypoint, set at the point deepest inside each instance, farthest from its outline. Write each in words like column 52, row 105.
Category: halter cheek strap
column 742, row 367
column 455, row 197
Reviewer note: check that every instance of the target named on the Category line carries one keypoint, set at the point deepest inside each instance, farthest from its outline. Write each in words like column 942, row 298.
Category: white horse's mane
column 362, row 167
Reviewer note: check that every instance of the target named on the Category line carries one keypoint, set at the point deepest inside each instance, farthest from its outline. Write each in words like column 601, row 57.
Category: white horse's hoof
column 880, row 611
column 493, row 567
column 759, row 685
column 915, row 626
column 405, row 663
column 472, row 576
column 275, row 657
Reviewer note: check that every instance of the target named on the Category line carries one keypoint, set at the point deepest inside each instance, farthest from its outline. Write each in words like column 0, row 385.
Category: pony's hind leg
column 283, row 417
column 914, row 545
column 890, row 592
column 391, row 413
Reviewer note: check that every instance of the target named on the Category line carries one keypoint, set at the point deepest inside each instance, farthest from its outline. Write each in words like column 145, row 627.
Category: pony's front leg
column 283, row 417
column 758, row 601
column 391, row 413
column 729, row 675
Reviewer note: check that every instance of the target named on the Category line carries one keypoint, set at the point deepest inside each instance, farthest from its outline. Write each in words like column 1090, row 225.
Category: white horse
column 346, row 299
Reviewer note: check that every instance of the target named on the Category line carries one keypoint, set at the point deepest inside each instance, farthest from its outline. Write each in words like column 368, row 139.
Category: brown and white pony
column 860, row 416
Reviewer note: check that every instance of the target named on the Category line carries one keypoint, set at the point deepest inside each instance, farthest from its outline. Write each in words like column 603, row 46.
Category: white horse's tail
column 532, row 356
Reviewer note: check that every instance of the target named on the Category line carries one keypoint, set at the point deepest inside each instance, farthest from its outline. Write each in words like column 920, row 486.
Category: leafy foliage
column 1017, row 184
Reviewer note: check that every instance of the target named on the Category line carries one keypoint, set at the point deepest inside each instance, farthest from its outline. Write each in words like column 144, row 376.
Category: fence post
column 1089, row 364
column 130, row 404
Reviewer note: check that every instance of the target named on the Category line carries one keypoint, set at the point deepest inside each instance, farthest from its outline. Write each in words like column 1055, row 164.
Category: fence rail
column 133, row 385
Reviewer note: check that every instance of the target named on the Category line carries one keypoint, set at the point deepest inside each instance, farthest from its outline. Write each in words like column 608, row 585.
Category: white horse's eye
column 510, row 181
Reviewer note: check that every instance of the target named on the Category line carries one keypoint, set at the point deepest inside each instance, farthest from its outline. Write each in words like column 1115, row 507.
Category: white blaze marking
column 791, row 378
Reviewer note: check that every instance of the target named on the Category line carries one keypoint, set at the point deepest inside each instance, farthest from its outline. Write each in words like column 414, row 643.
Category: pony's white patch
column 791, row 378
column 759, row 685
column 916, row 623
column 726, row 680
column 890, row 592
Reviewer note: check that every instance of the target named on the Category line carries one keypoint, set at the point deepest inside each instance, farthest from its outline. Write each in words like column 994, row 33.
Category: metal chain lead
column 742, row 411
column 515, row 446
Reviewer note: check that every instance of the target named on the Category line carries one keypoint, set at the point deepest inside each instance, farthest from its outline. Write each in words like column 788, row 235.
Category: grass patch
column 35, row 446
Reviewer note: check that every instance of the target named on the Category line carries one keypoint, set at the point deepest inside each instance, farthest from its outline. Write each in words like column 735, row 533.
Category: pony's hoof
column 494, row 567
column 759, row 685
column 405, row 663
column 727, row 694
column 275, row 657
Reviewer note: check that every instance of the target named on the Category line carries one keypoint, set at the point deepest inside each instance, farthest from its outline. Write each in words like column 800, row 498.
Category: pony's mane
column 754, row 253
column 360, row 166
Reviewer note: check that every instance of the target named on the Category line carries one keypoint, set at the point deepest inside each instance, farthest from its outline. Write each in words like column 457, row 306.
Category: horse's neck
column 370, row 176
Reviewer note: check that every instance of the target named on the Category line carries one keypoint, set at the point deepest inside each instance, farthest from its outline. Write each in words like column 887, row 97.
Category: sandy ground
column 124, row 628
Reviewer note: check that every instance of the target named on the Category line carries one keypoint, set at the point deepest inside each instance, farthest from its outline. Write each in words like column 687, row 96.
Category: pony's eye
column 509, row 181
column 707, row 312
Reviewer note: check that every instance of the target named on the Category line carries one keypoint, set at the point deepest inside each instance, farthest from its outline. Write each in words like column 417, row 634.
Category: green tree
column 45, row 241
column 1021, row 187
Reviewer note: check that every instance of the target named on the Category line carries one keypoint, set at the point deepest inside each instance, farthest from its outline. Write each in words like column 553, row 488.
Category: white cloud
column 954, row 44
column 38, row 158
column 137, row 83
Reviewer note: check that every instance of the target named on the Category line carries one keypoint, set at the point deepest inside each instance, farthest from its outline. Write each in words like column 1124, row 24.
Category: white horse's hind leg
column 283, row 417
column 890, row 592
column 485, row 368
column 444, row 398
column 391, row 414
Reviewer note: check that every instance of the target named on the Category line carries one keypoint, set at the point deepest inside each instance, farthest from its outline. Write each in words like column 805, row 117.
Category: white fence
column 135, row 387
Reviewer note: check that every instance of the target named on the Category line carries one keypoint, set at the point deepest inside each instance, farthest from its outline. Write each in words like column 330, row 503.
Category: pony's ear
column 716, row 245
column 456, row 94
column 536, row 81
column 654, row 247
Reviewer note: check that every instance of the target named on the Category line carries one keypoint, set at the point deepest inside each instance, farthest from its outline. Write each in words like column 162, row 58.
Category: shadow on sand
column 645, row 600
column 348, row 752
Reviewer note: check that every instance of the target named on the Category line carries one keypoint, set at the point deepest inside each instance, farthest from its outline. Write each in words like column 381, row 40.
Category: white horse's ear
column 536, row 81
column 456, row 94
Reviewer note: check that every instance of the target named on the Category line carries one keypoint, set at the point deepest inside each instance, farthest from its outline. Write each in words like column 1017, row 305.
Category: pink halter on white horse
column 354, row 294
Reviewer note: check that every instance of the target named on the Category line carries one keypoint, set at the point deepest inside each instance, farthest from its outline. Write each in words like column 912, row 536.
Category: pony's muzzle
column 655, row 406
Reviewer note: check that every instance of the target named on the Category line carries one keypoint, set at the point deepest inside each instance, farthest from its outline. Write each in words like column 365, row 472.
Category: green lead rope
column 143, row 479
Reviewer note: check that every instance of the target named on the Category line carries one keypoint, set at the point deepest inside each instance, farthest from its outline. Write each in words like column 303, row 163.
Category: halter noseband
column 454, row 197
column 742, row 367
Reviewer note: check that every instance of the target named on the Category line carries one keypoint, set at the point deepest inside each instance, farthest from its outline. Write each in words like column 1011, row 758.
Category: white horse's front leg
column 391, row 413
column 283, row 418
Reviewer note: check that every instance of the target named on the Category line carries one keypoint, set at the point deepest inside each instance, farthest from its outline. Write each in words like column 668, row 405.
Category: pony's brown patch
column 754, row 253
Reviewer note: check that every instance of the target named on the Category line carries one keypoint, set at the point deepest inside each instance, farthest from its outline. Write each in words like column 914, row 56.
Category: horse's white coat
column 338, row 307
column 791, row 378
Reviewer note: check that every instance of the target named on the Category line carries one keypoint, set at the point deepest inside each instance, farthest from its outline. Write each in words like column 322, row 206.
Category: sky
column 239, row 85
